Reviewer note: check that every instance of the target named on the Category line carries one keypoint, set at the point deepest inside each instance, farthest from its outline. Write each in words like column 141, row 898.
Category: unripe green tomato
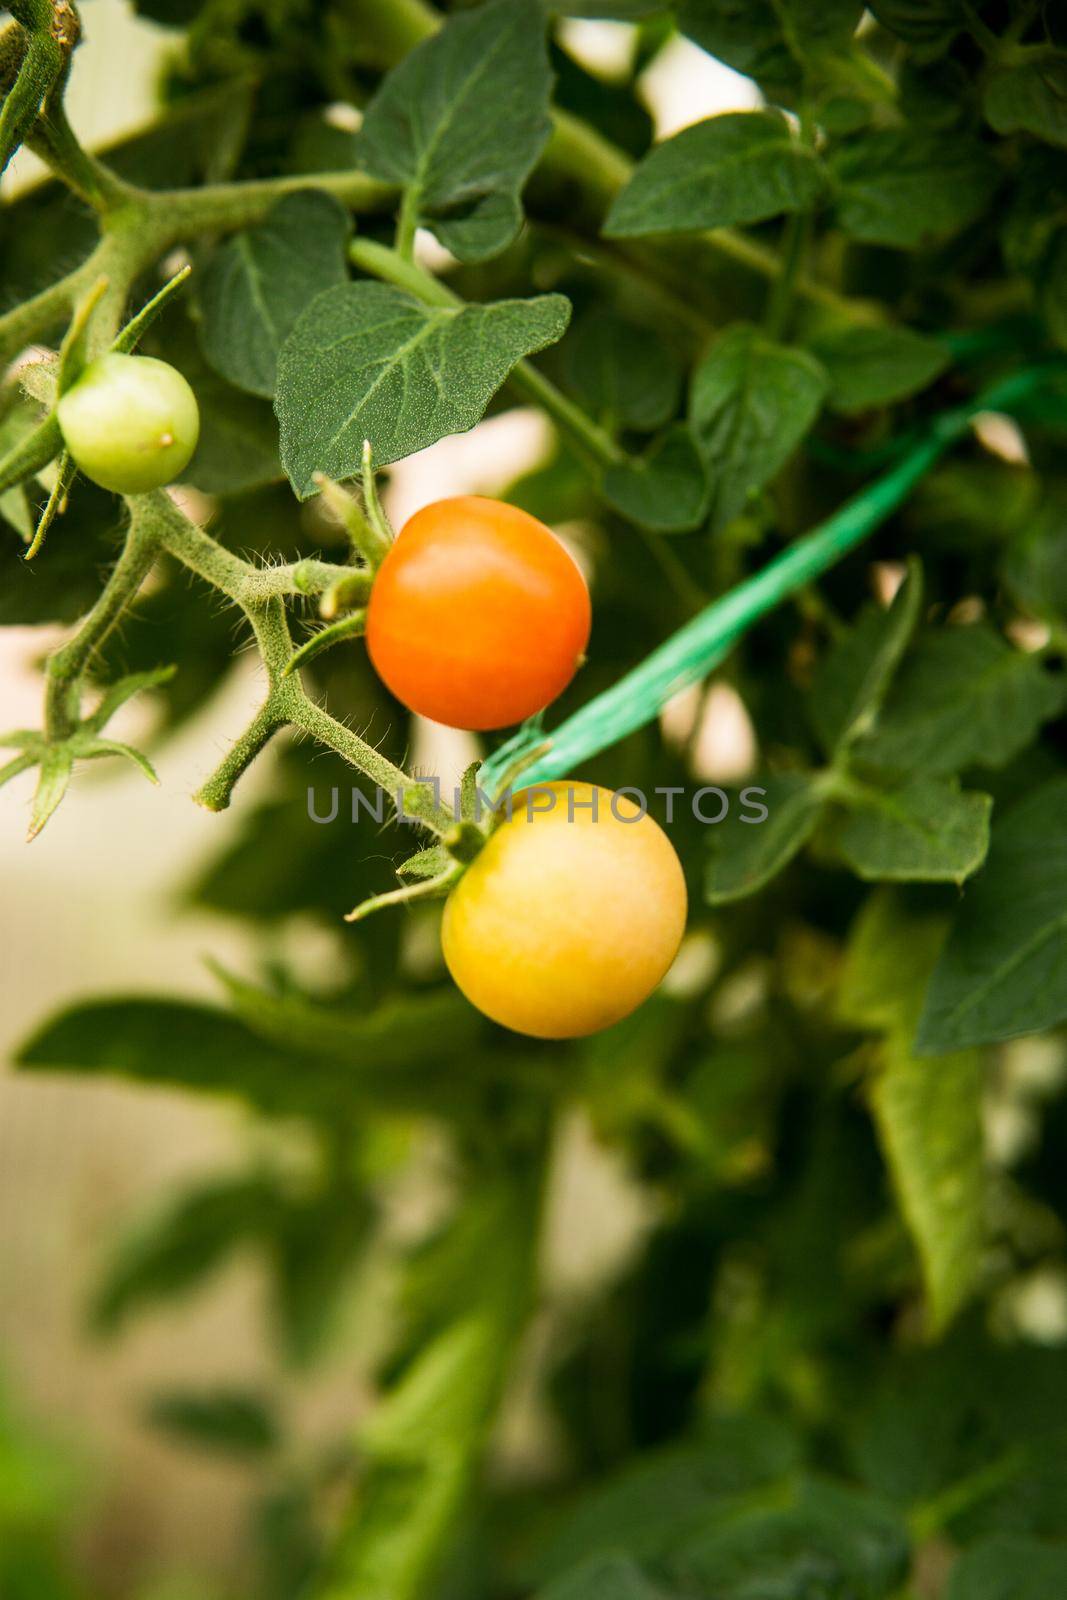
column 570, row 916
column 130, row 422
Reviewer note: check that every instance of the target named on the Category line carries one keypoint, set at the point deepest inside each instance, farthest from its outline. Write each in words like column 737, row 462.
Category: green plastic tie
column 690, row 654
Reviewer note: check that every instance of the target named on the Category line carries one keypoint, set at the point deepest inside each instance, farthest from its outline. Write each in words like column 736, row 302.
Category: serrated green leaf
column 666, row 490
column 435, row 127
column 926, row 831
column 752, row 401
column 876, row 366
column 367, row 362
column 963, row 697
column 1029, row 96
column 737, row 168
column 743, row 856
column 911, row 188
column 623, row 372
column 1002, row 970
column 1009, row 1569
column 854, row 676
column 257, row 284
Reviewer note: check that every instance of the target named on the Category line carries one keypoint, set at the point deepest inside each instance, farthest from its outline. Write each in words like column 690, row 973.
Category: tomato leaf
column 1029, row 96
column 233, row 1422
column 257, row 284
column 435, row 125
column 875, row 366
column 963, row 697
column 926, row 831
column 368, row 362
column 666, row 490
column 646, row 1509
column 1009, row 1569
column 911, row 188
column 624, row 372
column 604, row 1578
column 740, row 167
column 743, row 856
column 752, row 401
column 928, row 1114
column 1001, row 972
column 854, row 676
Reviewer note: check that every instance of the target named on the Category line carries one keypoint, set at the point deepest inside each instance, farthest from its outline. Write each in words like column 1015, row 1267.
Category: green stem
column 783, row 290
column 417, row 799
column 407, row 223
column 525, row 378
column 66, row 666
column 177, row 213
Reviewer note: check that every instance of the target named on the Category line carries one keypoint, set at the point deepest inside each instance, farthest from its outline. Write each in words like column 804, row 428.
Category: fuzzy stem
column 66, row 666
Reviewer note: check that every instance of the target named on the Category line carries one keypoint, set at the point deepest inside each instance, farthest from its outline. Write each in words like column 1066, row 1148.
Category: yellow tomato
column 566, row 921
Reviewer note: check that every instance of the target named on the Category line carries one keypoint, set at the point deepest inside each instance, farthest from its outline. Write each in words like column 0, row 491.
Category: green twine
column 691, row 653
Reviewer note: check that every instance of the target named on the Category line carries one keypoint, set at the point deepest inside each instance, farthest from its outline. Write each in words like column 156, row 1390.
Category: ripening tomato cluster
column 575, row 907
column 478, row 618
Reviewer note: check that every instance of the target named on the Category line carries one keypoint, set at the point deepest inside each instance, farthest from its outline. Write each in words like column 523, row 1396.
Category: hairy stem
column 66, row 666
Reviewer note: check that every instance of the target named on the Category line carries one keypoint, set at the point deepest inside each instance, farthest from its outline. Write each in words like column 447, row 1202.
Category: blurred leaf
column 927, row 830
column 745, row 855
column 604, row 1578
column 1009, row 1569
column 238, row 446
column 830, row 1542
column 1029, row 96
column 235, row 1422
column 928, row 1114
column 653, row 1506
column 737, row 168
column 666, row 490
column 623, row 372
column 876, row 366
column 62, row 584
column 776, row 42
column 929, row 25
column 434, row 126
column 963, row 697
column 256, row 285
column 752, row 402
column 169, row 1253
column 854, row 676
column 910, row 189
column 1036, row 563
column 1001, row 971
column 362, row 360
column 314, row 1252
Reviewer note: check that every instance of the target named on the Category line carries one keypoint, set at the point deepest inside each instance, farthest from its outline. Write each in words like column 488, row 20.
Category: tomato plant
column 570, row 915
column 752, row 1281
column 130, row 423
column 478, row 617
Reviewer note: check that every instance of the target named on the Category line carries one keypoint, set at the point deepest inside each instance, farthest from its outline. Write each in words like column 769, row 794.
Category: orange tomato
column 479, row 616
column 566, row 921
